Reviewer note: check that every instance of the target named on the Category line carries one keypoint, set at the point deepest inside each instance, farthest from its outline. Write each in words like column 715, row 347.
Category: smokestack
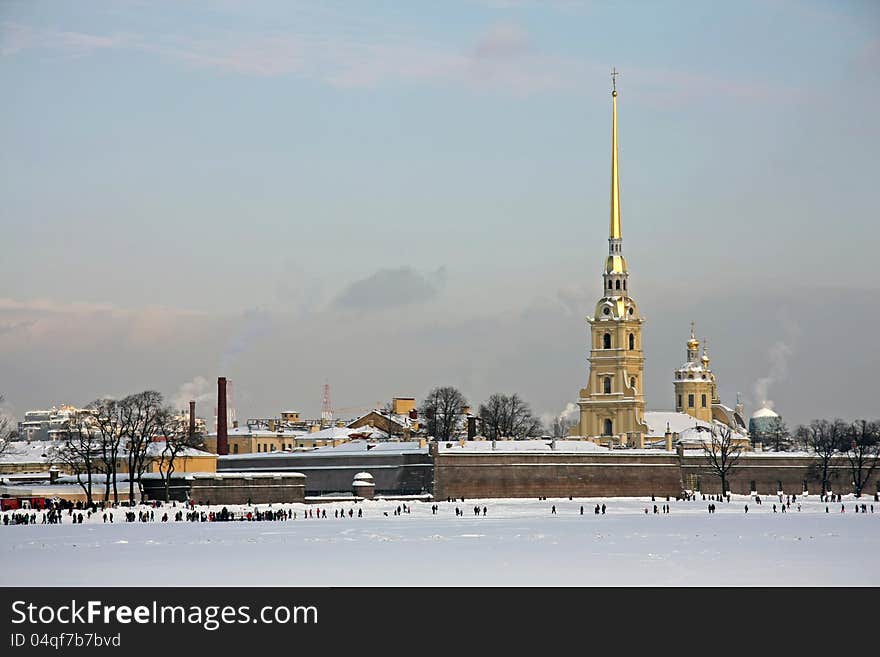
column 192, row 418
column 222, row 436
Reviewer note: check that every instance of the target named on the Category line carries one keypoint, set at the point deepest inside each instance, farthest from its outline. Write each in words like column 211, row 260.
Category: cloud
column 257, row 324
column 501, row 57
column 391, row 288
column 18, row 37
column 10, row 327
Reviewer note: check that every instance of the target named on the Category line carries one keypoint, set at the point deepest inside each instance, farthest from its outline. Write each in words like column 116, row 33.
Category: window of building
column 608, row 428
column 607, row 385
column 806, row 488
column 624, row 285
column 779, row 486
column 703, row 400
column 606, row 341
column 272, row 448
column 235, row 448
column 753, row 487
column 632, row 382
column 690, row 401
column 632, row 341
column 679, row 401
column 617, row 285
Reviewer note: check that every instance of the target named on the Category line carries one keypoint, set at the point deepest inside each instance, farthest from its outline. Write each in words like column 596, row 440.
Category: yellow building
column 612, row 405
column 187, row 460
column 694, row 383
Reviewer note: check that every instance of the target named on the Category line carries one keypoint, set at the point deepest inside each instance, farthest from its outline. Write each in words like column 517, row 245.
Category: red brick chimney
column 222, row 436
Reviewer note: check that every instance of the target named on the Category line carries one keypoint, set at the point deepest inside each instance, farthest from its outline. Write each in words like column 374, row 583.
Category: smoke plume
column 778, row 355
column 198, row 390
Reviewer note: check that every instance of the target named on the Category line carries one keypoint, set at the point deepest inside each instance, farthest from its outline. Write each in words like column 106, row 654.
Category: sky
column 389, row 196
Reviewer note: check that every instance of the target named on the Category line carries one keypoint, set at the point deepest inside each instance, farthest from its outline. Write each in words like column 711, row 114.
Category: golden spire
column 614, row 231
column 616, row 263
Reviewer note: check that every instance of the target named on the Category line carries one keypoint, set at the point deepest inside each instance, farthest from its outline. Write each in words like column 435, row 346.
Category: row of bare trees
column 121, row 431
column 858, row 442
column 500, row 416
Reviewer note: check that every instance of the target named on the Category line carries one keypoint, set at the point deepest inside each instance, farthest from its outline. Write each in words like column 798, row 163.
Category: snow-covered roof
column 36, row 451
column 344, row 433
column 361, row 483
column 678, row 422
column 384, row 446
column 154, row 449
column 764, row 412
column 541, row 445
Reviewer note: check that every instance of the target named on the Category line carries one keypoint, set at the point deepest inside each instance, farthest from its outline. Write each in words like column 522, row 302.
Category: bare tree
column 7, row 430
column 109, row 423
column 177, row 439
column 862, row 449
column 80, row 453
column 823, row 438
column 722, row 453
column 442, row 410
column 140, row 413
column 508, row 416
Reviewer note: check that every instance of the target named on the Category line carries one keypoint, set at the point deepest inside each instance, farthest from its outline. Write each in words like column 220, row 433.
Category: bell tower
column 613, row 404
column 694, row 382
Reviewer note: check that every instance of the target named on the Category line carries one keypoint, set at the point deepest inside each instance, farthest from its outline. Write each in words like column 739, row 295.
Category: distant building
column 52, row 424
column 401, row 420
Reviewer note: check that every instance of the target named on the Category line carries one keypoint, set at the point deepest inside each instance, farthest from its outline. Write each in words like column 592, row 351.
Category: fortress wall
column 555, row 475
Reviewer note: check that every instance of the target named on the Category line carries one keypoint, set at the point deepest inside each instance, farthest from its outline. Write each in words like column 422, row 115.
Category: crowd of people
column 56, row 512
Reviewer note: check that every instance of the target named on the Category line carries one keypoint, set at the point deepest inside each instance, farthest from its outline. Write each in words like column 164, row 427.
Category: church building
column 612, row 405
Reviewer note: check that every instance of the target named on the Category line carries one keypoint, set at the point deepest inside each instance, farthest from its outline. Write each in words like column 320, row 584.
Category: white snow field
column 519, row 542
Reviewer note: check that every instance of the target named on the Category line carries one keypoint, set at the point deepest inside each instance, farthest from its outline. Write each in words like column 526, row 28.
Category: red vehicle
column 15, row 503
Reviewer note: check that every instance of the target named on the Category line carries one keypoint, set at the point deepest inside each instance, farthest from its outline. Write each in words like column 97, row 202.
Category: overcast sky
column 388, row 196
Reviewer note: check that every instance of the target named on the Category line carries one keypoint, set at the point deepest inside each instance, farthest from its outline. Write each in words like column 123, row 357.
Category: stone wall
column 559, row 474
column 768, row 473
column 236, row 488
column 618, row 473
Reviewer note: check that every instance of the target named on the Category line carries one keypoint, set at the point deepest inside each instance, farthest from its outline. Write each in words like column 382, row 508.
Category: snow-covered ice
column 519, row 542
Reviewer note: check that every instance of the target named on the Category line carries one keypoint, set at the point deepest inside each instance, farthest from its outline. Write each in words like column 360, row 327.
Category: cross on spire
column 614, row 75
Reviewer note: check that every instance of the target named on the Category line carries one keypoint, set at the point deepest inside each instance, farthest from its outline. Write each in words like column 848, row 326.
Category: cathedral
column 612, row 405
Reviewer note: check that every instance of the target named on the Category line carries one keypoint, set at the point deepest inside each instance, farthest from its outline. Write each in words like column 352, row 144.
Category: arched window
column 624, row 285
column 607, row 385
column 632, row 341
column 617, row 285
column 606, row 341
column 610, row 284
column 608, row 428
column 679, row 402
column 632, row 382
column 703, row 401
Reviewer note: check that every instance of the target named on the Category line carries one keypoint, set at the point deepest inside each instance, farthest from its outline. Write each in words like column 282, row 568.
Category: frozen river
column 518, row 542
